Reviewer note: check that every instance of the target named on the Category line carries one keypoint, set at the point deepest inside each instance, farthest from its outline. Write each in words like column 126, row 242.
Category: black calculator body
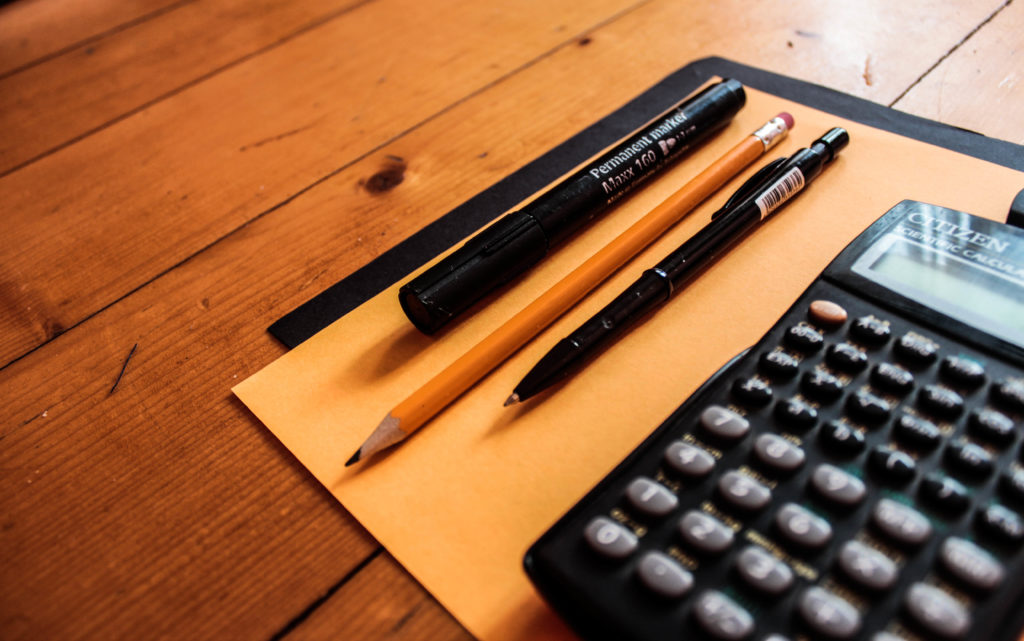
column 857, row 474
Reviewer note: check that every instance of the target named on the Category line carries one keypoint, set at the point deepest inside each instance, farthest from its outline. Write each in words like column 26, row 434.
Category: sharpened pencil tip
column 512, row 400
column 354, row 459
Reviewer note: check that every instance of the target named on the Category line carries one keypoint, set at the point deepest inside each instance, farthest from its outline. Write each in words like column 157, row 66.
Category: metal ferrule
column 772, row 132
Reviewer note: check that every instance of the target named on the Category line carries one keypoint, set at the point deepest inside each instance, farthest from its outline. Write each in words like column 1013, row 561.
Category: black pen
column 517, row 241
column 758, row 198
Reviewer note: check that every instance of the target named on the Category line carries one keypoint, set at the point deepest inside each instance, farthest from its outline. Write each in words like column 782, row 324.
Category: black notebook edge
column 398, row 262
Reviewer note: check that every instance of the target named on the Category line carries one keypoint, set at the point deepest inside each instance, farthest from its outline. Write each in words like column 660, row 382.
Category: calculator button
column 804, row 338
column 867, row 566
column 992, row 427
column 970, row 460
column 1010, row 394
column 724, row 423
column 778, row 454
column 705, row 533
column 796, row 413
column 886, row 636
column 916, row 349
column 937, row 612
column 867, row 408
column 837, row 486
column 663, row 575
column 870, row 331
column 763, row 571
column 820, row 385
column 828, row 614
column 892, row 378
column 689, row 460
column 1012, row 484
column 752, row 391
column 846, row 357
column 940, row 401
column 743, row 492
column 722, row 618
column 802, row 527
column 826, row 313
column 610, row 538
column 1002, row 524
column 971, row 564
column 917, row 433
column 944, row 494
column 962, row 371
column 650, row 497
column 841, row 439
column 901, row 523
column 778, row 364
column 892, row 466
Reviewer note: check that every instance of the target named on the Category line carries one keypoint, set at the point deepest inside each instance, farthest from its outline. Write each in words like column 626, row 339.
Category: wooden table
column 177, row 174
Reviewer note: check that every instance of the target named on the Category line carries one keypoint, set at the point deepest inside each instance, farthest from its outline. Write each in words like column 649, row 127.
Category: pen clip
column 760, row 178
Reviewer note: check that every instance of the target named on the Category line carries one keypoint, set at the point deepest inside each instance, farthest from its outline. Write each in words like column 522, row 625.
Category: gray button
column 610, row 538
column 867, row 566
column 705, row 533
column 802, row 527
column 763, row 571
column 724, row 423
column 901, row 523
column 663, row 574
column 743, row 492
column 837, row 486
column 828, row 614
column 971, row 564
column 776, row 637
column 689, row 459
column 939, row 613
column 722, row 617
column 778, row 453
column 886, row 636
column 651, row 497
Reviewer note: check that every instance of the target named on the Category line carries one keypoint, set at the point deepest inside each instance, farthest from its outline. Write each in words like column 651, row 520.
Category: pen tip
column 354, row 459
column 512, row 400
column 787, row 118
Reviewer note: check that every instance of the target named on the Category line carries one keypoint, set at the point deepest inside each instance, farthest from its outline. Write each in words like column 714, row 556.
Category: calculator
column 856, row 474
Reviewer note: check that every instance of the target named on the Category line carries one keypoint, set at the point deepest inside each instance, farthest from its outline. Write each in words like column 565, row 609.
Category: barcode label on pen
column 784, row 188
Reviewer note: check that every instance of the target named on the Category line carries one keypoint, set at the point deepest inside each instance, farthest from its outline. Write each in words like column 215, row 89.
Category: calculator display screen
column 975, row 287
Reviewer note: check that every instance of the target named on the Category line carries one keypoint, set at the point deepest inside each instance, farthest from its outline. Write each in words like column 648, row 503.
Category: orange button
column 827, row 313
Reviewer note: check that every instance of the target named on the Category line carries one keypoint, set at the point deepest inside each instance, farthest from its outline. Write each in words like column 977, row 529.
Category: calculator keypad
column 855, row 477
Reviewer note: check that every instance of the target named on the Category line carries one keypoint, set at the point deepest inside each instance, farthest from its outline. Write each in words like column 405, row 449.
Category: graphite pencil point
column 512, row 400
column 354, row 459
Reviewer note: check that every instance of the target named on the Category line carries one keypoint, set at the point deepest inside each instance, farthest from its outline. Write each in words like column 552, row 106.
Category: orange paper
column 459, row 502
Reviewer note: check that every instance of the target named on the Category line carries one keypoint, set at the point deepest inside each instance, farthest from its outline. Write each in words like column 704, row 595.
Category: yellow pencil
column 423, row 404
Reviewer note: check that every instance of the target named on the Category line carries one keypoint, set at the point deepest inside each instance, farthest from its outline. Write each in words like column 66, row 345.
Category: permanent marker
column 754, row 202
column 520, row 239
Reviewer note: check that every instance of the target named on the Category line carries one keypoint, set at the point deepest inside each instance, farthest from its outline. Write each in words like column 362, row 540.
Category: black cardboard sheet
column 398, row 262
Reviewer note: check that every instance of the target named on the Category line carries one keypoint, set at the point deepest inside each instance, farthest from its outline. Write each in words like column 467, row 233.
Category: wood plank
column 987, row 68
column 158, row 186
column 164, row 508
column 381, row 602
column 63, row 99
column 31, row 30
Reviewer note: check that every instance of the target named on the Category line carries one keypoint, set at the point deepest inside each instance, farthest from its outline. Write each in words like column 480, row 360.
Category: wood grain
column 138, row 498
column 155, row 188
column 382, row 602
column 60, row 100
column 986, row 70
column 31, row 30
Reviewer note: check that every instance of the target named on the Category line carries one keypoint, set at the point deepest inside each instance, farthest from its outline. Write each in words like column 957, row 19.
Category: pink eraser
column 786, row 118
